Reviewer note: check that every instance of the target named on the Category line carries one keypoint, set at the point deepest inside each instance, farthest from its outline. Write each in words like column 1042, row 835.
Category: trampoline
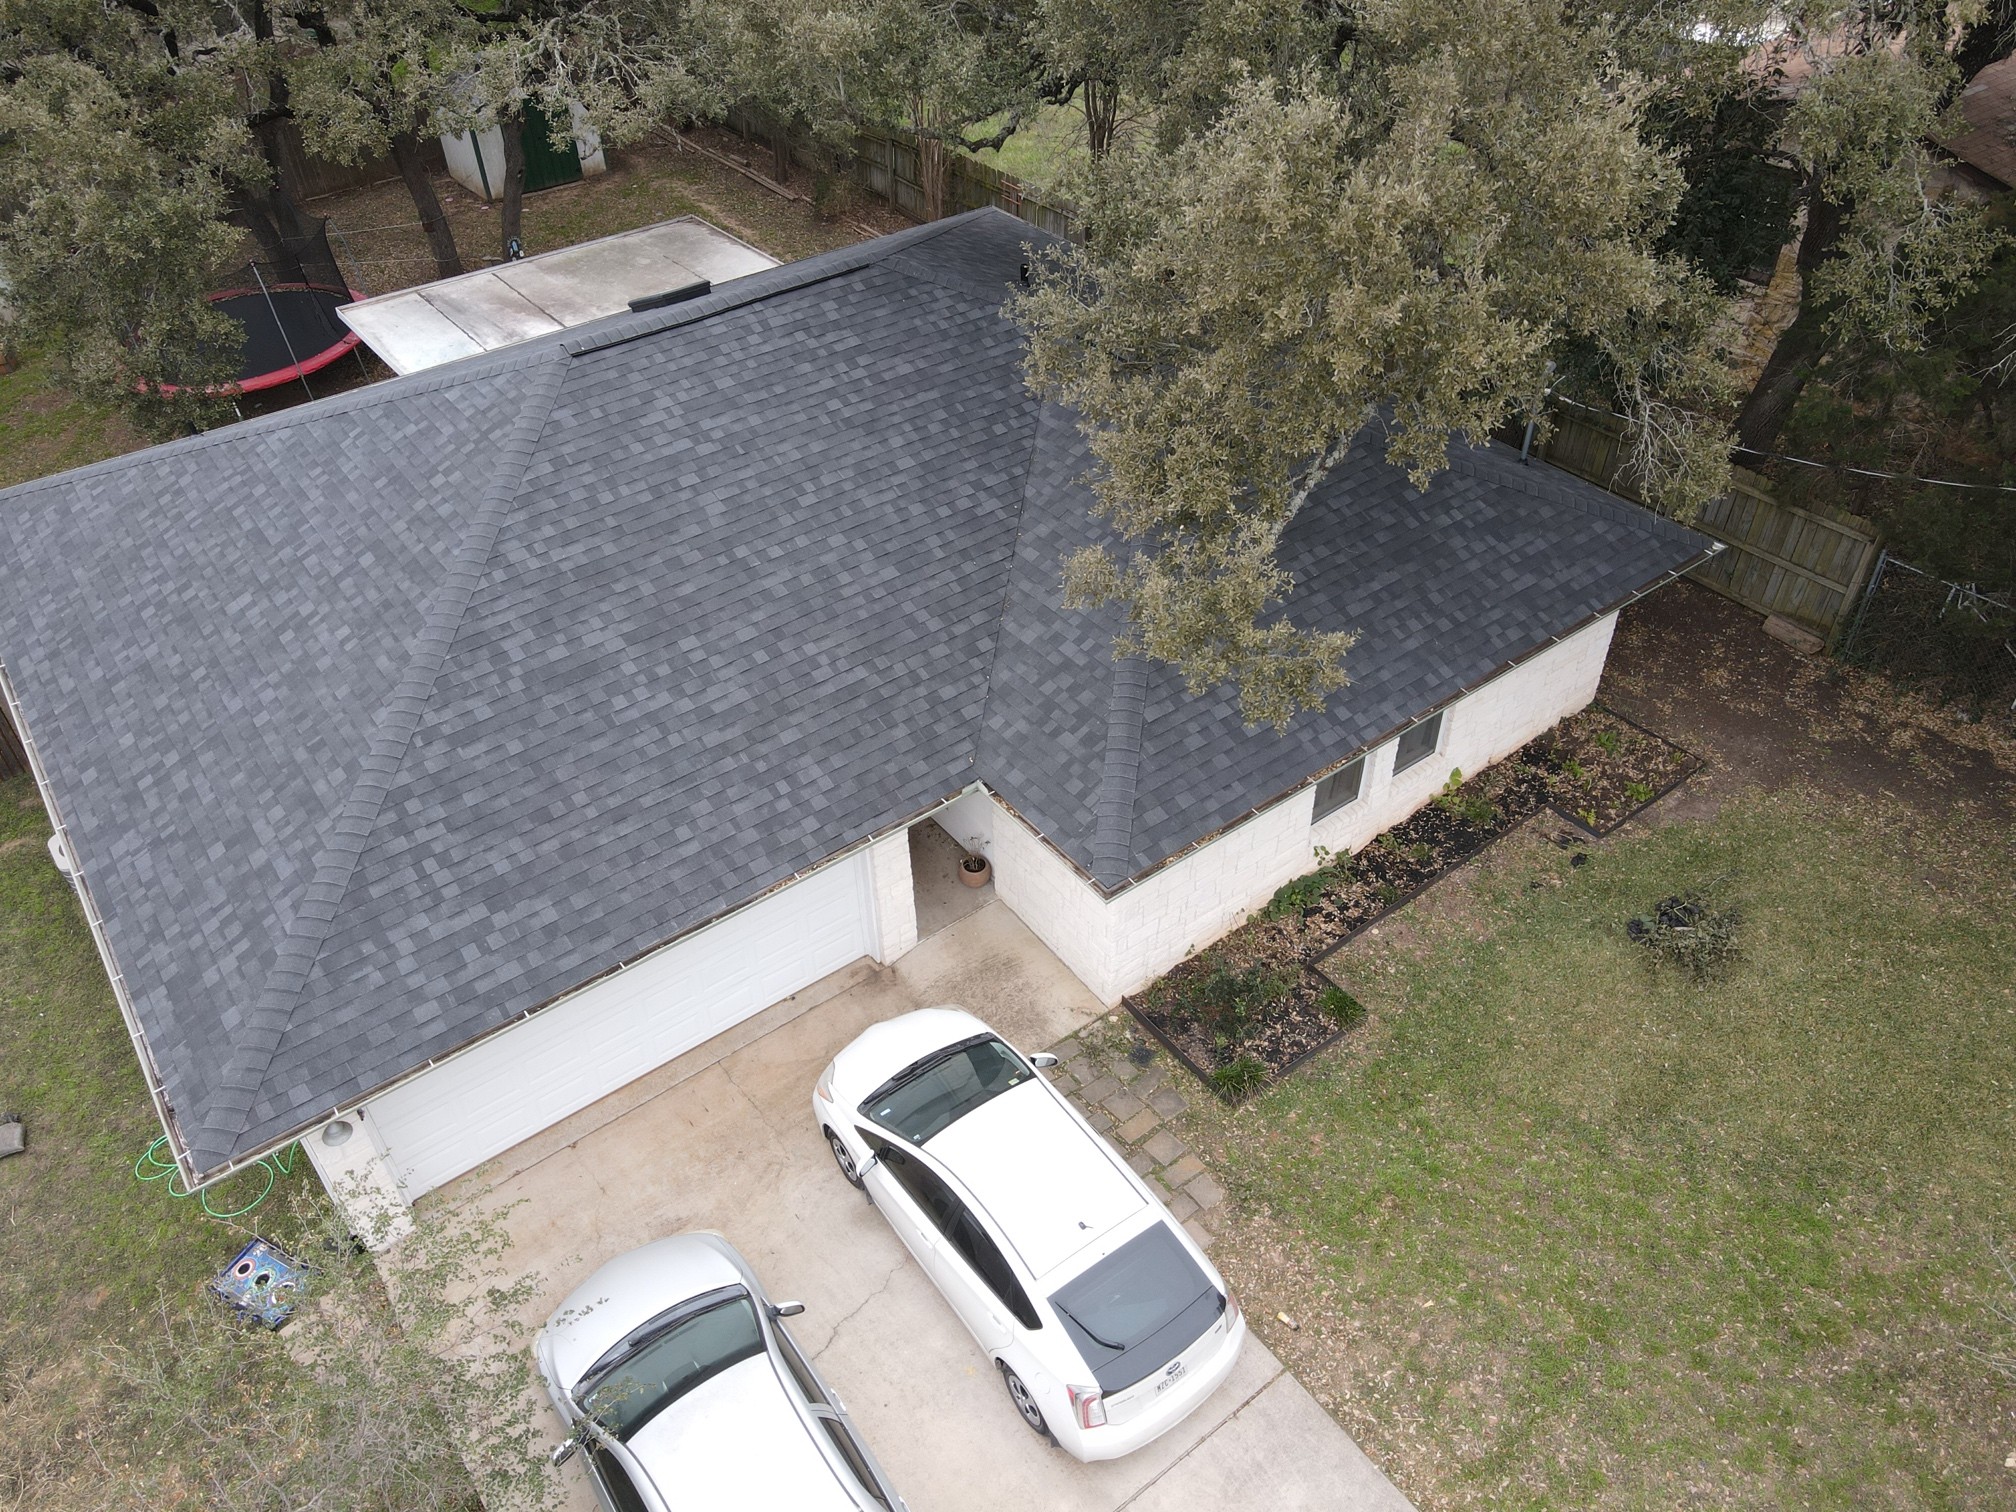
column 285, row 305
column 291, row 330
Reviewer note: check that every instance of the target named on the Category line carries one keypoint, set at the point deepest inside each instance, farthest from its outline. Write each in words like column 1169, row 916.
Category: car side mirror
column 563, row 1452
column 868, row 1165
column 786, row 1309
column 1042, row 1060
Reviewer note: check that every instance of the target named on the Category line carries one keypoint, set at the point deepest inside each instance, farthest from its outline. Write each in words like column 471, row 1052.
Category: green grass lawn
column 43, row 429
column 85, row 1250
column 1578, row 1232
column 1042, row 149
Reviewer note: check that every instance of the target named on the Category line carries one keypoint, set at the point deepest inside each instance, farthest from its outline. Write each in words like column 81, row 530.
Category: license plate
column 1175, row 1374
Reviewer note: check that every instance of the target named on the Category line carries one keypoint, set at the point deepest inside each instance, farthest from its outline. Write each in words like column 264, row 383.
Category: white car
column 1106, row 1321
column 681, row 1388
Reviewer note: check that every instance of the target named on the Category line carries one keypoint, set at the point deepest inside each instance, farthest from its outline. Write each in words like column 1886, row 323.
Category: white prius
column 1108, row 1324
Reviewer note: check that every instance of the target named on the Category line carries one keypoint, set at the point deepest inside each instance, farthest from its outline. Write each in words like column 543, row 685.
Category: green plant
column 1338, row 1004
column 1229, row 1003
column 1587, row 816
column 1293, row 897
column 1638, row 792
column 1420, row 853
column 1472, row 808
column 1239, row 1078
column 1574, row 771
column 1693, row 930
column 1607, row 741
column 1387, row 894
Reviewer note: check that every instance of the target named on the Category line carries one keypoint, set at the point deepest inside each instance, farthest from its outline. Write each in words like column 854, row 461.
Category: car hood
column 738, row 1442
column 629, row 1290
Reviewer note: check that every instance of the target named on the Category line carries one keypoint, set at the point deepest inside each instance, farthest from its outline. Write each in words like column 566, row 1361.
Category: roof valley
column 271, row 1015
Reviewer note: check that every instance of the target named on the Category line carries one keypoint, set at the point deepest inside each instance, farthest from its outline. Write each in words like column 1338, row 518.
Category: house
column 436, row 758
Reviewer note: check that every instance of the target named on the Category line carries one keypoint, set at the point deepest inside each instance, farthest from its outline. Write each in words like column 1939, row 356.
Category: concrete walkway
column 724, row 1139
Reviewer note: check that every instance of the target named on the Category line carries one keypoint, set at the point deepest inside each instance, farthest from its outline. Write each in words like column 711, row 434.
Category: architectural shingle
column 378, row 723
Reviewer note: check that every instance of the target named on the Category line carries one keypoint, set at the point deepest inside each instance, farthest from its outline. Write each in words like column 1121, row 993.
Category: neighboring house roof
column 1989, row 104
column 376, row 723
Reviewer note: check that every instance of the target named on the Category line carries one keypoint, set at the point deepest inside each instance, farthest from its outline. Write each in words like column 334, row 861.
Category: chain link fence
column 1950, row 639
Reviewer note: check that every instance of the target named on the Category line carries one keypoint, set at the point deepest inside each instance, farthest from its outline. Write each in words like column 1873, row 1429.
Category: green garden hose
column 151, row 1167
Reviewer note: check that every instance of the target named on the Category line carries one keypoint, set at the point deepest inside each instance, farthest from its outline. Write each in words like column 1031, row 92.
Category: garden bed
column 1254, row 1006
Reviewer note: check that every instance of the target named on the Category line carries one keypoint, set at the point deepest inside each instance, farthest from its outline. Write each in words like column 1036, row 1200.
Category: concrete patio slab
column 723, row 1139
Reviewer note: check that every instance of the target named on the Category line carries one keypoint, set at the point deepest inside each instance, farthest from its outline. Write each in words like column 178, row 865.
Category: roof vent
column 60, row 854
column 679, row 295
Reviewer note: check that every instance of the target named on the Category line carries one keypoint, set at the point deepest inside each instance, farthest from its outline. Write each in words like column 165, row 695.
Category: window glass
column 856, row 1460
column 800, row 1371
column 616, row 1480
column 984, row 1255
column 1418, row 743
column 1340, row 787
column 667, row 1364
column 1138, row 1308
column 939, row 1090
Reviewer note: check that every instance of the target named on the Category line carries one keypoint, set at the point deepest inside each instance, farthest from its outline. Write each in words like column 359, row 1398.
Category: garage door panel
column 457, row 1115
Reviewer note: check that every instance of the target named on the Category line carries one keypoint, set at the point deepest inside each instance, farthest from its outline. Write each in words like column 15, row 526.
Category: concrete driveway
column 723, row 1139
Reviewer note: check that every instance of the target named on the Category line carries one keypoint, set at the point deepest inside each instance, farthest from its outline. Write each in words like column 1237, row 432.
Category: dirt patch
column 1700, row 669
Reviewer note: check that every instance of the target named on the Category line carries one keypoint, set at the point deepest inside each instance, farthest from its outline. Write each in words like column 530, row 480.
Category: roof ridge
column 1113, row 809
column 268, row 1019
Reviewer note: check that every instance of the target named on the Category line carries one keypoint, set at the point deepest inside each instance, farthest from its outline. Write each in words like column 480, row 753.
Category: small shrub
column 1638, row 792
column 1341, row 1006
column 1231, row 1003
column 1574, row 771
column 1587, row 816
column 1693, row 931
column 1387, row 894
column 1239, row 1078
column 1293, row 897
column 1606, row 740
column 1420, row 853
column 1472, row 808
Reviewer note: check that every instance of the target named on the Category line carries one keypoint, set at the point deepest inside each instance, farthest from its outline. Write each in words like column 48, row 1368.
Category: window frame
column 1326, row 802
column 1401, row 761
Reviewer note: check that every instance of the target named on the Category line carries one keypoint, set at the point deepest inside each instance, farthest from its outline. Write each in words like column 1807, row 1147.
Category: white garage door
column 456, row 1116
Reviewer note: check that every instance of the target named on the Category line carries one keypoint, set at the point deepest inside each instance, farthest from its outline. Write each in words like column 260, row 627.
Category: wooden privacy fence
column 13, row 754
column 1806, row 562
column 885, row 163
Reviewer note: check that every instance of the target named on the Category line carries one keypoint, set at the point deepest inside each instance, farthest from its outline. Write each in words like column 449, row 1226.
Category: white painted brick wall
column 1119, row 945
column 894, row 896
column 359, row 1177
column 969, row 819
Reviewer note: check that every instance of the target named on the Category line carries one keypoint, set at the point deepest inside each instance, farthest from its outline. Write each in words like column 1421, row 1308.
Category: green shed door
column 546, row 165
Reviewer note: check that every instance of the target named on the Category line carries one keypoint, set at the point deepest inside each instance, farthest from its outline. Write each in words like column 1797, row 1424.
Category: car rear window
column 1138, row 1308
column 932, row 1094
column 668, row 1363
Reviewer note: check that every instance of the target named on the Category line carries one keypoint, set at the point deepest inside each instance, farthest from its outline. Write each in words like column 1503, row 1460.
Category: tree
column 376, row 81
column 410, row 1392
column 1401, row 240
column 1883, row 250
column 109, row 240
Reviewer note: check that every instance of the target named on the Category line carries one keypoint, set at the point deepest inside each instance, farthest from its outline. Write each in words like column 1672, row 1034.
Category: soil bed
column 1254, row 1005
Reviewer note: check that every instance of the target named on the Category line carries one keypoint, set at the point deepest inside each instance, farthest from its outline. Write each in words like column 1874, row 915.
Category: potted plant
column 974, row 870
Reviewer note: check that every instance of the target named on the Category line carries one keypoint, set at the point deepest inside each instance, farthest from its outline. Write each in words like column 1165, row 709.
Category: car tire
column 1025, row 1403
column 843, row 1158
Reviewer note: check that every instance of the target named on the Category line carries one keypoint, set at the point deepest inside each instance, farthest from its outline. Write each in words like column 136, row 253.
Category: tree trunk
column 780, row 154
column 433, row 219
column 1102, row 113
column 1791, row 362
column 513, row 131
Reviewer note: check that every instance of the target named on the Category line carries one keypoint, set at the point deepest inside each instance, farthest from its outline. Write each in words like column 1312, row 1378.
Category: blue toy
column 261, row 1285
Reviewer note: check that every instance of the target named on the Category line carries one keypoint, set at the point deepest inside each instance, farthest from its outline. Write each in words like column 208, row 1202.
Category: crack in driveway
column 855, row 1311
column 1230, row 1418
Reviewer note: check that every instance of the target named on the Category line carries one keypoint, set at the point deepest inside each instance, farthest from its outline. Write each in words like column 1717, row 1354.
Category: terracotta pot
column 975, row 872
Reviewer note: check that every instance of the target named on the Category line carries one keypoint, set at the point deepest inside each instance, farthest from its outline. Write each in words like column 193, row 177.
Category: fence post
column 1845, row 646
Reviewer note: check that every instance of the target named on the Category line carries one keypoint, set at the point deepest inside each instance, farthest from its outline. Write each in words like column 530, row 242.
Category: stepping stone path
column 1126, row 1086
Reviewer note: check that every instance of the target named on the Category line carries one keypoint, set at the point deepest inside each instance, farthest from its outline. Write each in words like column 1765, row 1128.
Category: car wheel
column 1024, row 1400
column 843, row 1158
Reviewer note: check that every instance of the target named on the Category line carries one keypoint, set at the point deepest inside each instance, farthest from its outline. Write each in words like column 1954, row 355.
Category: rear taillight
column 1231, row 1309
column 1089, row 1404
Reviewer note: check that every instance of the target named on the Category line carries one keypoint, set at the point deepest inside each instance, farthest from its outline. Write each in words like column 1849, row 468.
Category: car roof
column 738, row 1441
column 632, row 1289
column 1050, row 1184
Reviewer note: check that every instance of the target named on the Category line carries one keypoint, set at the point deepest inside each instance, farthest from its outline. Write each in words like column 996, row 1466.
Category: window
column 616, row 1480
column 800, row 1371
column 961, row 1229
column 942, row 1088
column 1340, row 787
column 1140, row 1307
column 857, row 1462
column 686, row 1349
column 1418, row 743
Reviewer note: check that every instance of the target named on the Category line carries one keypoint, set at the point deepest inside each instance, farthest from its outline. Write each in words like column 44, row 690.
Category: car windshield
column 931, row 1094
column 1138, row 1308
column 668, row 1363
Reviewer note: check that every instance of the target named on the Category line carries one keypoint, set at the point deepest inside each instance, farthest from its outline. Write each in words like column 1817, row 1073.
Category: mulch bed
column 1255, row 1005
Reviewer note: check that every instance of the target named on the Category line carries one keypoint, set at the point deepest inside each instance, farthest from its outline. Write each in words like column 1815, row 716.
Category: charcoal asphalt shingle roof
column 380, row 722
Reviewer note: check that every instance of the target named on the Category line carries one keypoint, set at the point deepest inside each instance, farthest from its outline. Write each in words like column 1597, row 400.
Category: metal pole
column 1862, row 609
column 279, row 326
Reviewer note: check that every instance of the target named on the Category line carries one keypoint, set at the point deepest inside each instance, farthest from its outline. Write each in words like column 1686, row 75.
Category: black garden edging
column 1567, row 772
